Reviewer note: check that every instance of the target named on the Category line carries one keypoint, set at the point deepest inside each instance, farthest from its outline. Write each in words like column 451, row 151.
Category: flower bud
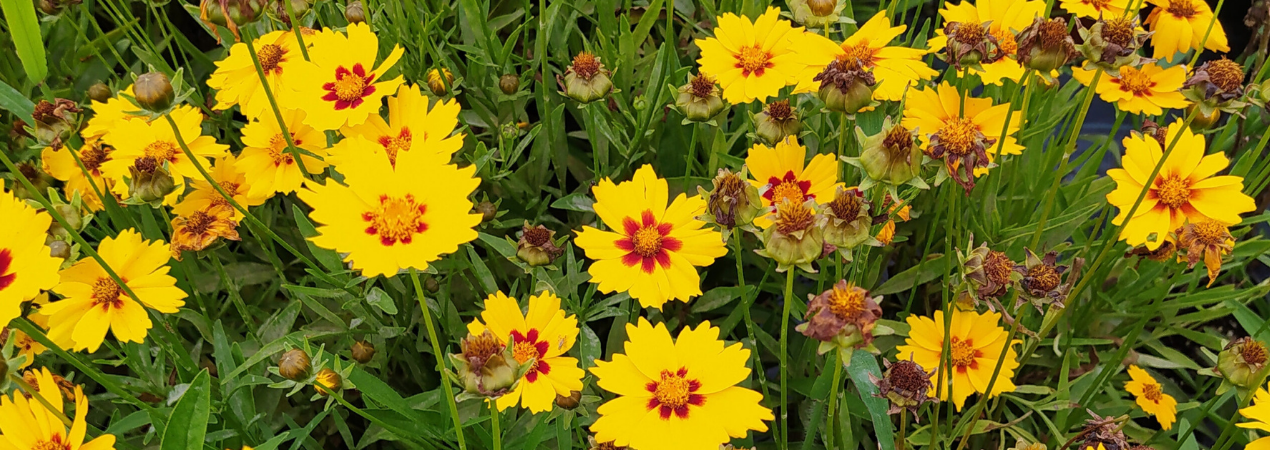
column 33, row 173
column 970, row 44
column 777, row 121
column 328, row 382
column 793, row 239
column 230, row 13
column 846, row 86
column 586, row 80
column 59, row 249
column 732, row 203
column 569, row 402
column 1045, row 45
column 1242, row 361
column 294, row 365
column 847, row 220
column 509, row 83
column 816, row 13
column 1204, row 120
column 150, row 182
column 699, row 100
column 841, row 317
column 70, row 213
column 362, row 351
column 99, row 92
column 891, row 156
column 436, row 84
column 487, row 366
column 1113, row 43
column 488, row 210
column 905, row 384
column 154, row 91
column 355, row 12
column 431, row 285
column 537, row 246
column 1043, row 279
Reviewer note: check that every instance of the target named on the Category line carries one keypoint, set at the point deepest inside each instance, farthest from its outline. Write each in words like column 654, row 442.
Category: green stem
column 296, row 30
column 493, row 418
column 833, row 396
column 436, row 351
column 746, row 303
column 273, row 103
column 789, row 302
column 903, row 440
column 1068, row 148
column 690, row 159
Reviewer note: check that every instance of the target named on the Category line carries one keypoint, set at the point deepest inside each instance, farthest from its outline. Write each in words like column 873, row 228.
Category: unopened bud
column 363, row 351
column 59, row 249
column 355, row 12
column 99, row 92
column 488, row 210
column 154, row 91
column 440, row 81
column 509, row 83
column 569, row 402
column 294, row 365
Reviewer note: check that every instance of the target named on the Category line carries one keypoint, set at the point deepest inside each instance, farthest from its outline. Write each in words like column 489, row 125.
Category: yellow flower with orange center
column 753, row 60
column 61, row 164
column 655, row 248
column 968, row 139
column 1180, row 26
column 410, row 127
column 896, row 68
column 134, row 139
column 93, row 303
column 237, row 83
column 340, row 85
column 1003, row 18
column 678, row 394
column 780, row 174
column 387, row 219
column 1096, row 8
column 201, row 228
column 1259, row 414
column 24, row 344
column 25, row 265
column 1151, row 397
column 227, row 175
column 1186, row 189
column 266, row 161
column 544, row 334
column 26, row 424
column 976, row 344
column 1147, row 90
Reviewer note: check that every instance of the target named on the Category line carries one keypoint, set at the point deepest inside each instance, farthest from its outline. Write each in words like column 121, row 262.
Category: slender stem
column 436, row 351
column 1067, row 149
column 34, row 393
column 273, row 103
column 996, row 371
column 789, row 301
column 899, row 443
column 746, row 303
column 836, row 360
column 690, row 159
column 493, row 418
column 296, row 29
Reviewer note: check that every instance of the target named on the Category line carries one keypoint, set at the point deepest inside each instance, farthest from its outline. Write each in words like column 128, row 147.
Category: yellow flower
column 228, row 177
column 201, row 228
column 887, row 233
column 61, row 164
column 1186, row 189
column 340, row 84
column 1259, row 413
column 1180, row 26
column 26, row 424
column 977, row 340
column 896, row 68
column 25, row 265
column 1147, row 90
column 969, row 139
column 544, row 334
column 389, row 219
column 410, row 127
column 26, row 345
column 266, row 161
column 753, row 60
column 1096, row 8
column 92, row 301
column 1151, row 397
column 1003, row 18
column 237, row 83
column 676, row 394
column 780, row 175
column 134, row 139
column 653, row 253
column 109, row 115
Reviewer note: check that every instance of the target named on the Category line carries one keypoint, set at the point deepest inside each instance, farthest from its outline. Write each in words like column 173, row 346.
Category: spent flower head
column 906, row 385
column 842, row 318
column 732, row 203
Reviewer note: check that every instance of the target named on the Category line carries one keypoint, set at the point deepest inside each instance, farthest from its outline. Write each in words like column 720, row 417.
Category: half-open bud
column 586, row 80
column 846, row 86
column 777, row 121
column 700, row 99
column 733, row 202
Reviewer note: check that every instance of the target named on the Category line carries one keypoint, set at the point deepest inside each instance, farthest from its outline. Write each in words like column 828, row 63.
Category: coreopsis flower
column 793, row 239
column 977, row 340
column 1186, row 189
column 986, row 272
column 537, row 245
column 732, row 203
column 487, row 366
column 1112, row 43
column 1214, row 87
column 1150, row 396
column 26, row 424
column 846, row 87
column 1208, row 240
column 700, row 100
column 780, row 174
column 753, row 60
column 1102, row 433
column 816, row 13
column 655, row 248
column 586, row 80
column 676, row 394
column 411, row 127
column 842, row 318
column 92, row 302
column 895, row 68
column 846, row 221
column 905, row 384
column 1259, row 415
column 887, row 233
column 961, row 140
column 1096, row 9
column 1045, row 45
column 110, row 114
column 61, row 164
column 1148, row 90
column 387, row 218
column 987, row 28
column 1241, row 361
column 235, row 183
column 1181, row 25
column 237, row 83
column 892, row 157
column 777, row 121
column 340, row 85
column 266, row 161
column 540, row 339
column 201, row 228
column 327, row 382
column 1042, row 279
column 26, row 267
column 134, row 139
column 440, row 80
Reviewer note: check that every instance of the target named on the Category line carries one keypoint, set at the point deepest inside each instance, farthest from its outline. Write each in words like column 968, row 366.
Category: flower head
column 1208, row 240
column 1045, row 45
column 340, row 85
column 780, row 174
column 842, row 318
column 1182, row 25
column 227, row 176
column 905, row 384
column 732, row 203
column 1147, row 90
column 752, row 60
column 294, row 365
column 586, row 80
column 1112, row 43
column 27, row 424
column 846, row 220
column 327, row 382
column 1103, row 433
column 846, row 87
column 895, row 68
column 977, row 341
column 237, row 83
column 816, row 13
column 793, row 239
column 892, row 156
column 540, row 339
column 62, row 165
column 676, row 394
column 986, row 271
column 1151, row 397
column 134, row 139
column 201, row 228
column 987, row 28
column 537, row 245
column 777, row 121
column 961, row 140
column 93, row 303
column 411, row 127
column 1042, row 280
column 700, row 99
column 1222, row 79
column 266, row 161
column 1259, row 415
column 25, row 265
column 487, row 366
column 1242, row 361
column 1096, row 9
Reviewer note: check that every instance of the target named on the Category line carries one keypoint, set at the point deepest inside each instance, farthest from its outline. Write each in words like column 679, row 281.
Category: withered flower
column 586, row 80
column 202, row 228
column 846, row 221
column 1043, row 279
column 970, row 44
column 1102, row 430
column 793, row 240
column 537, row 246
column 1213, row 88
column 1242, row 361
column 732, row 203
column 1208, row 240
column 777, row 121
column 841, row 318
column 891, row 157
column 985, row 271
column 1113, row 43
column 700, row 99
column 1045, row 46
column 487, row 367
column 906, row 384
column 846, row 86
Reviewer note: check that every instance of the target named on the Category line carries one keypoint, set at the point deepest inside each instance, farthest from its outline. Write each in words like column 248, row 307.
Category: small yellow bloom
column 1096, row 8
column 61, row 164
column 237, row 83
column 1259, row 414
column 970, row 139
column 109, row 115
column 26, row 424
column 340, row 85
column 655, row 248
column 780, row 174
column 201, row 228
column 1180, row 26
column 1208, row 240
column 1003, row 18
column 896, row 68
column 1151, row 397
column 410, row 127
column 677, row 394
column 25, row 265
column 26, row 345
column 753, row 60
column 134, row 139
column 977, row 341
column 228, row 177
column 266, row 161
column 544, row 334
column 93, row 303
column 1148, row 90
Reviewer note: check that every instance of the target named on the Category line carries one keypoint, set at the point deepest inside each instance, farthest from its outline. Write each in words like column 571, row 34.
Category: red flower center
column 396, row 219
column 350, row 87
column 526, row 346
column 789, row 188
column 396, row 144
column 54, row 443
column 964, row 354
column 6, row 277
column 107, row 293
column 674, row 393
column 753, row 60
column 648, row 242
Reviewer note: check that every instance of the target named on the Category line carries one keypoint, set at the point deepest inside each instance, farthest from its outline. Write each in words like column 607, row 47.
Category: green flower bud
column 586, row 80
column 732, row 203
column 355, row 12
column 847, row 220
column 1045, row 45
column 509, row 83
column 99, row 92
column 699, row 100
column 294, row 365
column 537, row 246
column 59, row 249
column 1241, row 361
column 816, row 13
column 71, row 214
column 32, row 172
column 487, row 366
column 891, row 156
column 777, row 121
column 793, row 240
column 846, row 87
column 154, row 91
column 150, row 182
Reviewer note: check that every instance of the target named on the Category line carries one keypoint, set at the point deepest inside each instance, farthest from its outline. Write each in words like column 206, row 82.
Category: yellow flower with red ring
column 266, row 161
column 544, row 334
column 25, row 265
column 780, row 174
column 26, row 424
column 411, row 126
column 237, row 83
column 340, row 85
column 753, row 60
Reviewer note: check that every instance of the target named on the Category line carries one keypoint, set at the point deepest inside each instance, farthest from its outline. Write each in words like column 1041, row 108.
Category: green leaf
column 863, row 364
column 574, row 202
column 918, row 274
column 13, row 101
column 717, row 297
column 380, row 299
column 188, row 425
column 328, row 258
column 24, row 28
